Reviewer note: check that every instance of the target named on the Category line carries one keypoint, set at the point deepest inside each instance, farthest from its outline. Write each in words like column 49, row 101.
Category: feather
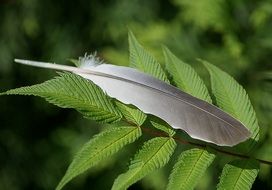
column 197, row 118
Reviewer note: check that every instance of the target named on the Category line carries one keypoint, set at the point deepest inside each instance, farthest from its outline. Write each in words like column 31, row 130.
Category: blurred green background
column 38, row 140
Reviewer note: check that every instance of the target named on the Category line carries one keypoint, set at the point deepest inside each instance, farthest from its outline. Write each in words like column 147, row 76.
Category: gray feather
column 197, row 118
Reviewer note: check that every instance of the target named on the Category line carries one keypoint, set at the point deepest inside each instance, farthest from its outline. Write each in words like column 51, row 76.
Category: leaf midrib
column 76, row 98
column 183, row 86
column 240, row 173
column 142, row 166
column 95, row 155
column 191, row 171
column 233, row 112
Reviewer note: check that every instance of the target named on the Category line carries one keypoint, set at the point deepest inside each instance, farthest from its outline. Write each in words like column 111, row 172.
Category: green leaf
column 72, row 91
column 131, row 113
column 99, row 148
column 232, row 98
column 190, row 167
column 154, row 154
column 163, row 127
column 185, row 77
column 193, row 163
column 142, row 60
column 239, row 174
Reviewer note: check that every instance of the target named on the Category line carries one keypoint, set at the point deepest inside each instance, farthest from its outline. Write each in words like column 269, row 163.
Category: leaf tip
column 131, row 35
column 164, row 48
column 206, row 64
column 60, row 185
column 166, row 51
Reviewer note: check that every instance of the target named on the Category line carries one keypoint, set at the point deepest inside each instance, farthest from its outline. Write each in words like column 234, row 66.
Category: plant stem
column 182, row 141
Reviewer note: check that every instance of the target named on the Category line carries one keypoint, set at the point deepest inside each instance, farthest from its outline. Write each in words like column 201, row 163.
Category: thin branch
column 182, row 141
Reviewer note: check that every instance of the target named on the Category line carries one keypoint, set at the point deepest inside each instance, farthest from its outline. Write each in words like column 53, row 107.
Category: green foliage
column 72, row 91
column 236, row 36
column 131, row 113
column 232, row 98
column 185, row 77
column 204, row 13
column 163, row 127
column 190, row 167
column 99, row 148
column 191, row 164
column 238, row 174
column 154, row 154
column 142, row 60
